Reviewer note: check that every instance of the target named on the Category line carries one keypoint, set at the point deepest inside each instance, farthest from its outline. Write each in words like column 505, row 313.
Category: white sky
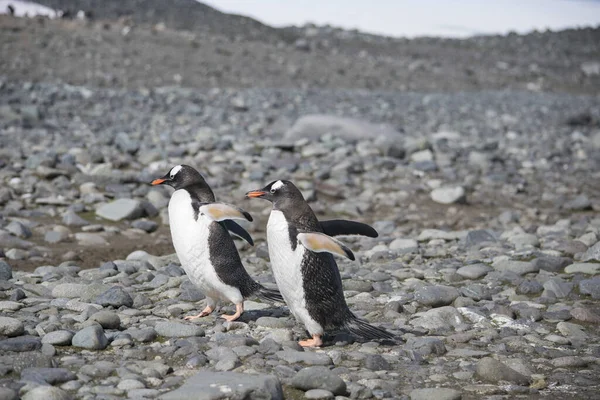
column 455, row 18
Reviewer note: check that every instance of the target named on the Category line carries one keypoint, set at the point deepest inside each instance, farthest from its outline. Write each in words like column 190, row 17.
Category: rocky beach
column 477, row 161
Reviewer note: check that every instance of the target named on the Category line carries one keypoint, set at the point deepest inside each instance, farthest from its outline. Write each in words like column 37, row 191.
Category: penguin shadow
column 246, row 317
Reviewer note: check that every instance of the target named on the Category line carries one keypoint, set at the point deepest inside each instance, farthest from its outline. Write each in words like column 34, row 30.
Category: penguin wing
column 337, row 227
column 222, row 211
column 321, row 243
column 237, row 230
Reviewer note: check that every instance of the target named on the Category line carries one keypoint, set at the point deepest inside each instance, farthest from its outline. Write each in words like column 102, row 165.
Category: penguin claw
column 314, row 342
column 239, row 309
column 203, row 313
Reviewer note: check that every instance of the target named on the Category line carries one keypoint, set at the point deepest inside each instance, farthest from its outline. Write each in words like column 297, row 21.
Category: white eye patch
column 175, row 170
column 276, row 186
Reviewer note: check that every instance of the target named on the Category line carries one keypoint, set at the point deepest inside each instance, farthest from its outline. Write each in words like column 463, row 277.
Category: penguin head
column 279, row 193
column 181, row 176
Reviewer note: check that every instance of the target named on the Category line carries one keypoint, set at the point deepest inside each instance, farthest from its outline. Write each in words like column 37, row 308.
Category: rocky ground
column 487, row 265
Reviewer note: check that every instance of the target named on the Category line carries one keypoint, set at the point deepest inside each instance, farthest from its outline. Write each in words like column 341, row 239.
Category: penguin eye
column 272, row 190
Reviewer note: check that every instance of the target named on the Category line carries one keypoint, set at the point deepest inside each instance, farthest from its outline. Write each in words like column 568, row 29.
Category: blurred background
column 466, row 132
column 441, row 114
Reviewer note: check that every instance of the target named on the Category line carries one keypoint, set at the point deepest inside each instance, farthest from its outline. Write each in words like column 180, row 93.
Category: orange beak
column 255, row 193
column 157, row 181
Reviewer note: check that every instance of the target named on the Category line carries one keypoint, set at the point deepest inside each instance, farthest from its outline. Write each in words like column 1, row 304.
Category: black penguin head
column 279, row 193
column 181, row 176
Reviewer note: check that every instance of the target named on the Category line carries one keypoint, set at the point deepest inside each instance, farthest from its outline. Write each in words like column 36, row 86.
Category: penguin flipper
column 221, row 211
column 237, row 230
column 321, row 243
column 337, row 227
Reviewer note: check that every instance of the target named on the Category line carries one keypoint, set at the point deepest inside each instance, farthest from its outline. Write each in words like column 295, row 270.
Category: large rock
column 47, row 393
column 518, row 267
column 50, row 376
column 121, row 209
column 177, row 329
column 307, row 357
column 20, row 344
column 438, row 319
column 592, row 254
column 319, row 378
column 591, row 287
column 11, row 327
column 583, row 268
column 116, row 296
column 208, row 385
column 315, row 126
column 494, row 371
column 79, row 290
column 448, row 195
column 436, row 295
column 92, row 338
column 435, row 394
column 5, row 271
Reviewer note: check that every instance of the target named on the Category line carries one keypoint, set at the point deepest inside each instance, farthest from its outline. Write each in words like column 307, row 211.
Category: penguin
column 301, row 253
column 200, row 233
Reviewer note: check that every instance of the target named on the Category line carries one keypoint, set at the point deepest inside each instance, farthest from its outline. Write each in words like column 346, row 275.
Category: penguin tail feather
column 264, row 293
column 365, row 330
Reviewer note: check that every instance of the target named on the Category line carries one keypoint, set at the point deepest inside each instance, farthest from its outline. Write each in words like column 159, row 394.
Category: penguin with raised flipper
column 200, row 232
column 301, row 253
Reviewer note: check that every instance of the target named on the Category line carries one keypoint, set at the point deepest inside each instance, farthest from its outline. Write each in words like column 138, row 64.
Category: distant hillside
column 175, row 14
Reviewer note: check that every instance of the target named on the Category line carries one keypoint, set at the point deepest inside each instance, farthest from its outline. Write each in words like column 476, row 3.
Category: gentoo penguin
column 205, row 249
column 302, row 260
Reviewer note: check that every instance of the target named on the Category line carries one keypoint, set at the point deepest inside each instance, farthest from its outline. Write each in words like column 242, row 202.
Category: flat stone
column 552, row 264
column 306, row 357
column 467, row 353
column 92, row 338
column 435, row 394
column 47, row 393
column 518, row 267
column 91, row 239
column 448, row 195
column 276, row 323
column 58, row 338
column 208, row 385
column 571, row 330
column 319, row 378
column 315, row 126
column 11, row 327
column 318, row 394
column 178, row 329
column 50, row 376
column 438, row 319
column 18, row 229
column 404, row 245
column 10, row 306
column 569, row 362
column 436, row 295
column 494, row 371
column 121, row 209
column 78, row 290
column 21, row 343
column 583, row 268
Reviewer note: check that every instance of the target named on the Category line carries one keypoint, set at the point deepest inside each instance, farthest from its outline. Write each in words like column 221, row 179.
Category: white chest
column 190, row 239
column 285, row 262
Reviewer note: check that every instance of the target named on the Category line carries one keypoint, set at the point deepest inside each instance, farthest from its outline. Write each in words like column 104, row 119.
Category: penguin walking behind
column 301, row 250
column 200, row 233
